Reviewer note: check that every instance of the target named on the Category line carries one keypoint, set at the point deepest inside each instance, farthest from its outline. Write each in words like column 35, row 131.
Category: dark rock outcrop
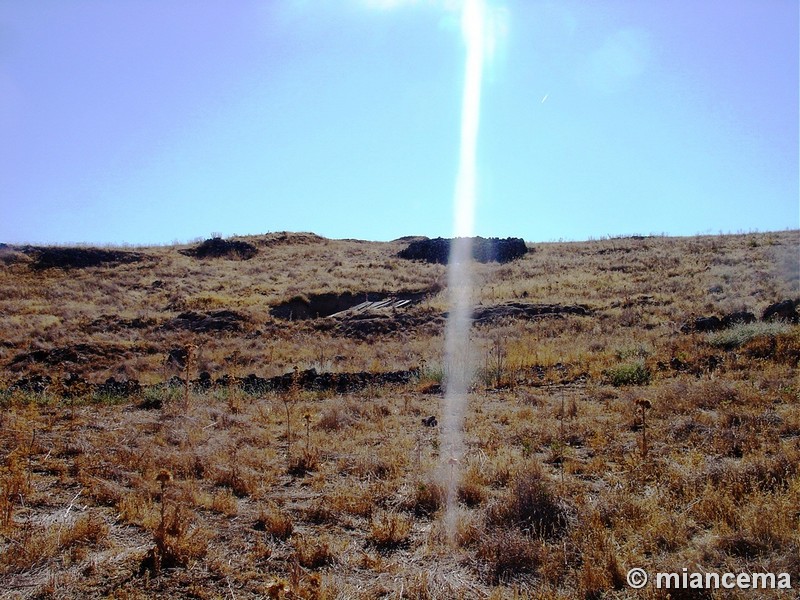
column 484, row 250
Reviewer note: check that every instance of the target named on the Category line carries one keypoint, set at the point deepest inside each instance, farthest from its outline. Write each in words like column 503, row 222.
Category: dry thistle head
column 278, row 587
column 191, row 353
column 643, row 404
column 164, row 477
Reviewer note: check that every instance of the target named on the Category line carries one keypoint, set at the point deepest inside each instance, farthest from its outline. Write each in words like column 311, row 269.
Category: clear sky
column 150, row 121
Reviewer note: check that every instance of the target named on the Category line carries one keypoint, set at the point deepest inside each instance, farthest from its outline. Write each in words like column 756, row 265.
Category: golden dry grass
column 317, row 494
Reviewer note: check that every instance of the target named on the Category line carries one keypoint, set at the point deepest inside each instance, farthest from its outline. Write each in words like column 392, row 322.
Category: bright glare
column 459, row 277
column 472, row 28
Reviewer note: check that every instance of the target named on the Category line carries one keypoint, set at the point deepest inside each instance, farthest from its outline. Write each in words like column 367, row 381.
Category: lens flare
column 458, row 362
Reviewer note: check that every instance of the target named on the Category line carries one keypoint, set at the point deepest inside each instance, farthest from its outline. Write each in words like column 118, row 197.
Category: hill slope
column 256, row 417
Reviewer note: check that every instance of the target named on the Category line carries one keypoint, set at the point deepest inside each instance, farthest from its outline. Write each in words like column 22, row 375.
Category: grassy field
column 164, row 433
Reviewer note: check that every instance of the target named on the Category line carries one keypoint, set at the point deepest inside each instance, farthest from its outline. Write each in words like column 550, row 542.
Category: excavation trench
column 317, row 306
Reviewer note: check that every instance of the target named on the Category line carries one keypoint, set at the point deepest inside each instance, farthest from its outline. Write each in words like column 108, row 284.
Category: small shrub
column 431, row 377
column 224, row 502
column 505, row 554
column 14, row 485
column 389, row 531
column 428, row 498
column 632, row 373
column 320, row 513
column 471, row 490
column 176, row 542
column 313, row 553
column 530, row 507
column 334, row 418
column 306, row 462
column 276, row 523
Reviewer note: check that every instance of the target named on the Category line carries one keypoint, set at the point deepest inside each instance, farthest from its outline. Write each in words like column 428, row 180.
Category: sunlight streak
column 458, row 361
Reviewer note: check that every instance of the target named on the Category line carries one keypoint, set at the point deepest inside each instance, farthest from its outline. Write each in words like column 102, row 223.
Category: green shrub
column 740, row 334
column 631, row 373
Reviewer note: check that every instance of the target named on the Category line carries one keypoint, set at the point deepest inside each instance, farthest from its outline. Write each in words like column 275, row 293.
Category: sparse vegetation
column 140, row 458
column 742, row 333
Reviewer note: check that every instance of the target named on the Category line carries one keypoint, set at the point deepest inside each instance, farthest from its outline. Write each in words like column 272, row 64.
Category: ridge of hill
column 134, row 307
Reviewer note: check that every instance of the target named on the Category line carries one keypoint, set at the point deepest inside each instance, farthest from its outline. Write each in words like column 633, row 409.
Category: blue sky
column 148, row 122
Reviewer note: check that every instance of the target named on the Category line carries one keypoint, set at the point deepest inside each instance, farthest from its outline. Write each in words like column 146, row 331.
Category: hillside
column 241, row 418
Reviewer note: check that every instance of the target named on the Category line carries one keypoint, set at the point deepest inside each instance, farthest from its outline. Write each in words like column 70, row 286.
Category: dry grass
column 593, row 443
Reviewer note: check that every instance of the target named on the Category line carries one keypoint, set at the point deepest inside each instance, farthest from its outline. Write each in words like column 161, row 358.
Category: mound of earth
column 785, row 310
column 366, row 326
column 484, row 250
column 517, row 310
column 219, row 248
column 311, row 380
column 11, row 256
column 79, row 258
column 324, row 305
column 112, row 323
column 75, row 354
column 406, row 239
column 217, row 320
column 285, row 238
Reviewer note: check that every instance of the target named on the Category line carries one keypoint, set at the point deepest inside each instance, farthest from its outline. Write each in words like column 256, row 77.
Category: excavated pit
column 317, row 306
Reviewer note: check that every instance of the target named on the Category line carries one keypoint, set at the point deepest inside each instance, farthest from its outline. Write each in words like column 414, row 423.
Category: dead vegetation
column 596, row 439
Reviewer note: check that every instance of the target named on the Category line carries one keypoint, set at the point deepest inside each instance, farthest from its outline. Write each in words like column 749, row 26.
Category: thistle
column 643, row 406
